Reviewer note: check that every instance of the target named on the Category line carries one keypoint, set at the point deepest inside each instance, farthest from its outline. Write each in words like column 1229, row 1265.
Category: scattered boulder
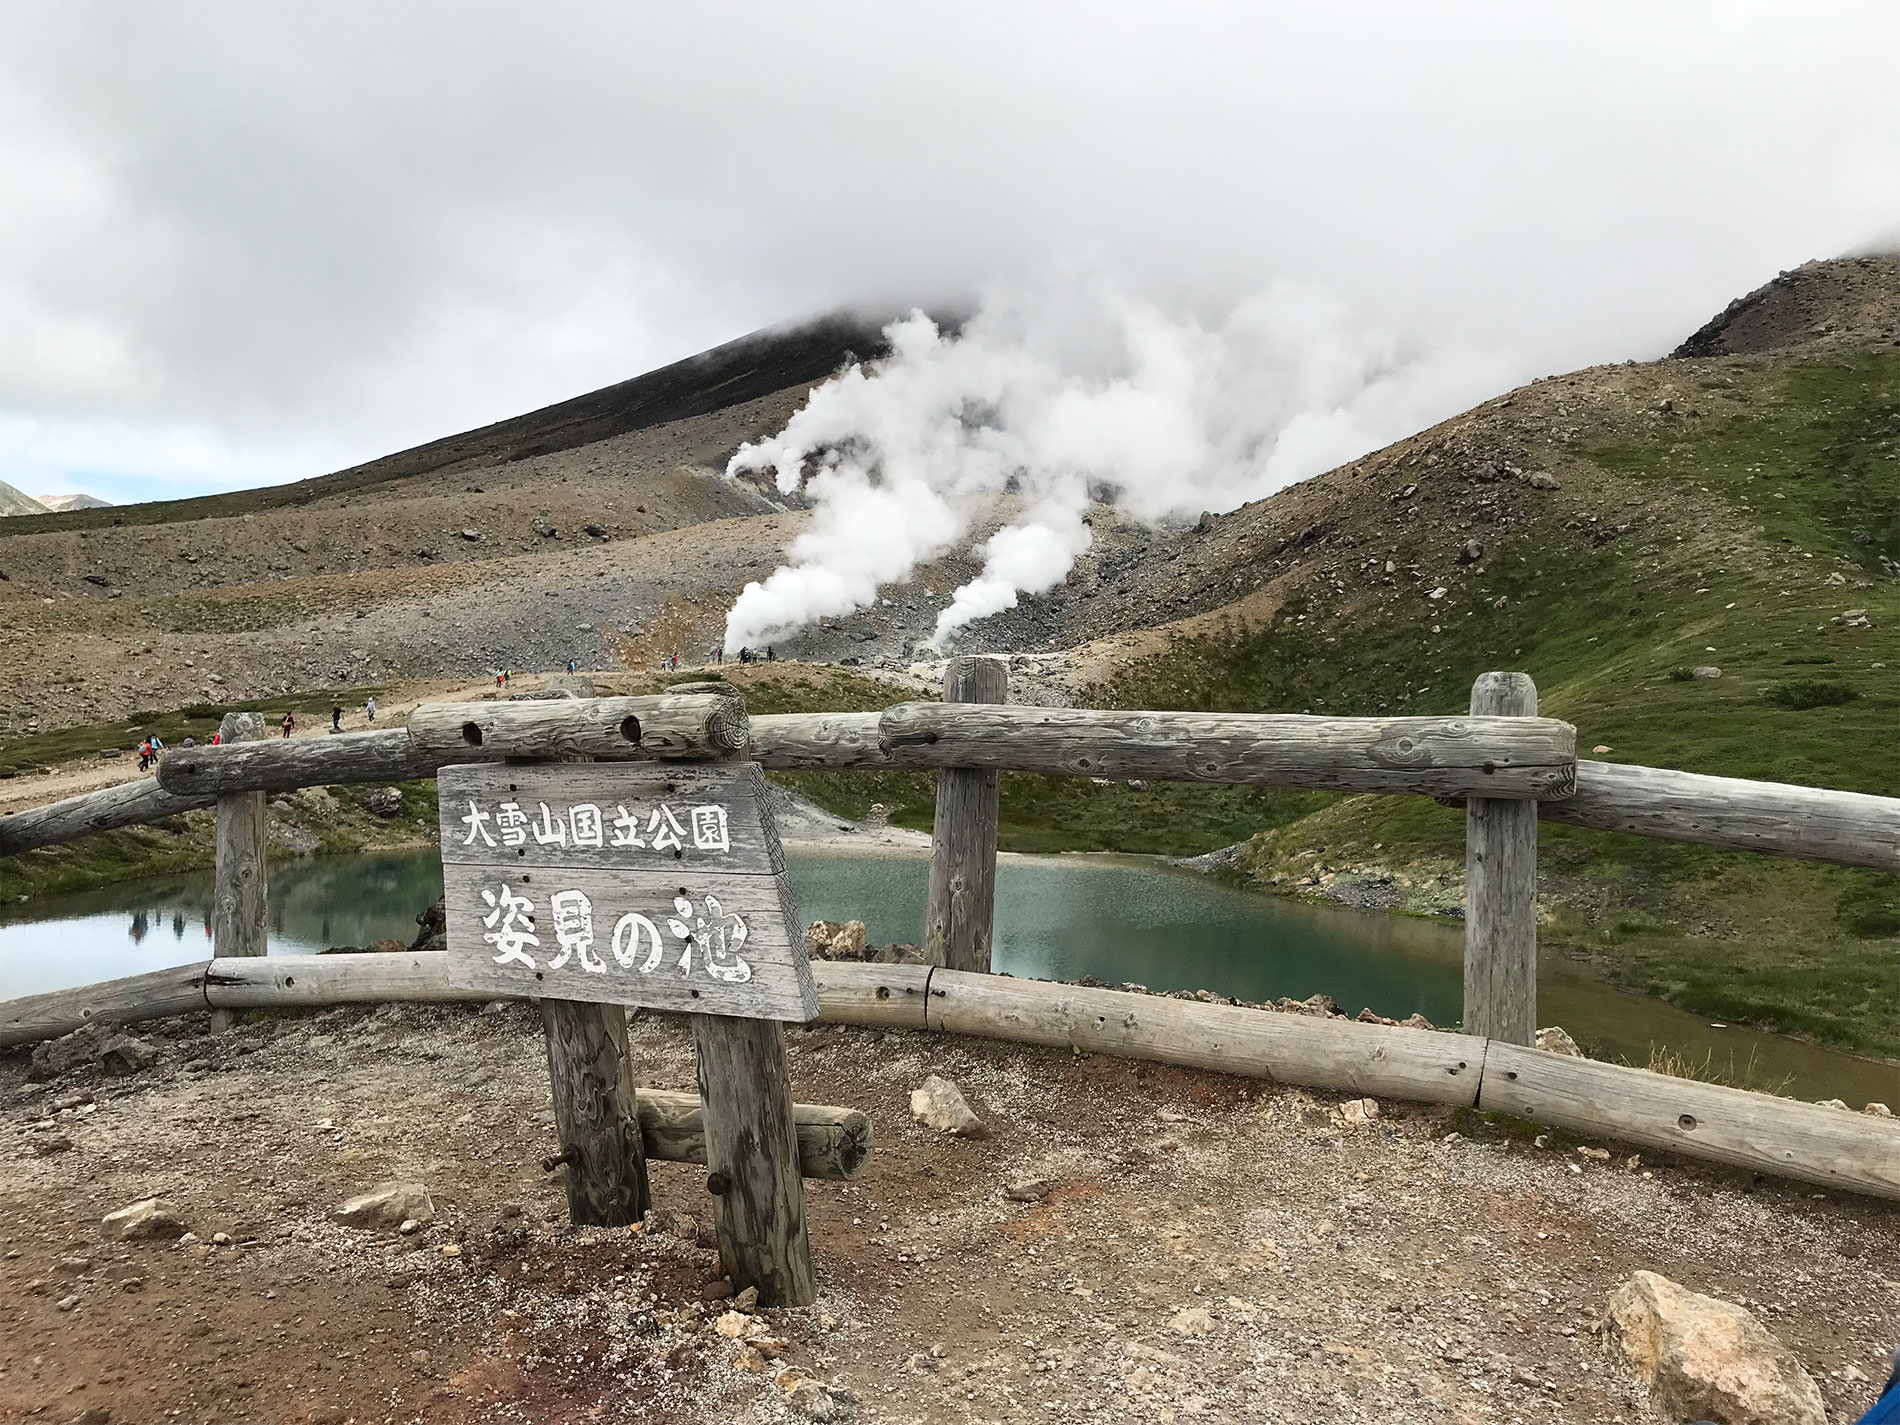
column 1029, row 1190
column 1191, row 1321
column 835, row 940
column 1542, row 480
column 1357, row 1112
column 385, row 802
column 1706, row 673
column 1470, row 552
column 596, row 531
column 471, row 535
column 1878, row 1110
column 940, row 1104
column 1701, row 1357
column 1554, row 1039
column 388, row 1206
column 148, row 1220
column 101, row 1046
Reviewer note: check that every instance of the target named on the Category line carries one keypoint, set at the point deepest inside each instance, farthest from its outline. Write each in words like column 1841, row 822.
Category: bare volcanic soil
column 1205, row 1247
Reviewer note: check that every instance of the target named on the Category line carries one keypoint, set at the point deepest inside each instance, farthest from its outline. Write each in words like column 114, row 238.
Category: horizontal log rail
column 1736, row 1127
column 1807, row 823
column 1801, row 823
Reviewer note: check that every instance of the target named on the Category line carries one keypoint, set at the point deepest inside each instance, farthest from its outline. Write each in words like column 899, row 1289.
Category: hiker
column 158, row 746
column 571, row 665
column 370, row 708
column 770, row 656
column 289, row 722
column 336, row 717
column 145, row 754
column 217, row 738
column 501, row 680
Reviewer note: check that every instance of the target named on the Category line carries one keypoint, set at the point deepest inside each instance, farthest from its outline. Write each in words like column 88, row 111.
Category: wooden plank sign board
column 622, row 883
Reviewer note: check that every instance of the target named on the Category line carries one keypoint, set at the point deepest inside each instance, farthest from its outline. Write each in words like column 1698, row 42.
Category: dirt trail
column 1209, row 1248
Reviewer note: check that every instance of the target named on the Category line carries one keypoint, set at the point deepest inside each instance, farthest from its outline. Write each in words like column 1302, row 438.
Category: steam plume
column 1078, row 392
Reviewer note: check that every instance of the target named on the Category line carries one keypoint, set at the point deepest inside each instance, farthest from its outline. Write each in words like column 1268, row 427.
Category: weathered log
column 1803, row 823
column 611, row 729
column 832, row 1142
column 1425, row 1065
column 157, row 995
column 108, row 809
column 281, row 765
column 752, row 1152
column 1501, row 889
column 1734, row 1126
column 1529, row 758
column 1757, row 1131
column 590, row 1074
column 240, row 925
column 881, row 996
column 839, row 740
column 959, row 917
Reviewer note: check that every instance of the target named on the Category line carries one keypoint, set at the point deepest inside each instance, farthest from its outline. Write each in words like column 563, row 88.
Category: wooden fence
column 1509, row 767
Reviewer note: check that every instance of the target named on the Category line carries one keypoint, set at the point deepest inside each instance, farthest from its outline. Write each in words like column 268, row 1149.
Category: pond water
column 1115, row 917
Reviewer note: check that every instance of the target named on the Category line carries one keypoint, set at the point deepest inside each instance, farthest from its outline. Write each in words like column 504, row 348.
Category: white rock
column 1553, row 1039
column 149, row 1220
column 1878, row 1110
column 1706, row 1358
column 1191, row 1321
column 1832, row 1103
column 939, row 1104
column 389, row 1205
column 1357, row 1112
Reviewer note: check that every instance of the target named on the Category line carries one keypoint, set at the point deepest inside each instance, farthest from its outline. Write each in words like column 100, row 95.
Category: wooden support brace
column 240, row 923
column 1501, row 889
column 596, row 1112
column 960, row 918
column 752, row 1155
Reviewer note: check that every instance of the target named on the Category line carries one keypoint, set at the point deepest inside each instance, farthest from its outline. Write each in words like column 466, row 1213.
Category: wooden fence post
column 240, row 892
column 752, row 1167
column 959, row 921
column 596, row 1111
column 1501, row 889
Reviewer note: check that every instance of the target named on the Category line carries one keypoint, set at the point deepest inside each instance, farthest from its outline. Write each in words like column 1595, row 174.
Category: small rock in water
column 388, row 1206
column 940, row 1104
column 149, row 1220
column 1702, row 1357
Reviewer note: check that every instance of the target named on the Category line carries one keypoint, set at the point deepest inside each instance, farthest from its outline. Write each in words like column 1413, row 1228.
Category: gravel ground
column 1207, row 1247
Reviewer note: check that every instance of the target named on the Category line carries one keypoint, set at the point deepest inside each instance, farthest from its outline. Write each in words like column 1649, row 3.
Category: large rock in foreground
column 388, row 1206
column 940, row 1104
column 1704, row 1359
column 149, row 1220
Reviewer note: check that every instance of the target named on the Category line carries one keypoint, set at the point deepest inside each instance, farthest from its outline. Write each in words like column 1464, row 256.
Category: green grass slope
column 1750, row 524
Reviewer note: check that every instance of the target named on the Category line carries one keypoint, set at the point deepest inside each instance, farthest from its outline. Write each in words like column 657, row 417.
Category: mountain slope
column 17, row 502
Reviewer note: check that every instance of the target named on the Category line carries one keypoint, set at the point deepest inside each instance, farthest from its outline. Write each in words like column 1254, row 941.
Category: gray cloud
column 242, row 243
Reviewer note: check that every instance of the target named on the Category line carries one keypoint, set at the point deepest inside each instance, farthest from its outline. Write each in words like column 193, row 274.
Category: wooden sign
column 622, row 883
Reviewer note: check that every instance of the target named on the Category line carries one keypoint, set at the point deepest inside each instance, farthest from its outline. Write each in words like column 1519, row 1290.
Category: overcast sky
column 244, row 243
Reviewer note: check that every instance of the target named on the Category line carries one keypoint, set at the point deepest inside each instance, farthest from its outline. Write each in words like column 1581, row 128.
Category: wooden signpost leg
column 962, row 907
column 1501, row 889
column 752, row 1158
column 596, row 1112
column 239, row 915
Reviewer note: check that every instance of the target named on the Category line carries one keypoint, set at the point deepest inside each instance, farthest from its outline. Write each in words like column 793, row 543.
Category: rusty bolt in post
column 717, row 1183
column 560, row 1159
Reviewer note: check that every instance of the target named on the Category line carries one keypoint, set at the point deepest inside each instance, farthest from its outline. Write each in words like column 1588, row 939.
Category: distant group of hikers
column 746, row 655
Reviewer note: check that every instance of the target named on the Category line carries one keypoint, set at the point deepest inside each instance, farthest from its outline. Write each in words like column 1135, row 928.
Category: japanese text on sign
column 716, row 934
column 704, row 828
